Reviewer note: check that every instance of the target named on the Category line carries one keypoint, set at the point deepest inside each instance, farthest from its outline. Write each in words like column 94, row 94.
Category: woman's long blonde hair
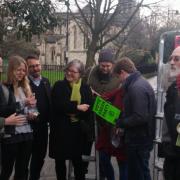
column 13, row 64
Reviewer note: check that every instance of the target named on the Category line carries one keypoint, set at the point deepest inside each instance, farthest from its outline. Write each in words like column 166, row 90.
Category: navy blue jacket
column 139, row 109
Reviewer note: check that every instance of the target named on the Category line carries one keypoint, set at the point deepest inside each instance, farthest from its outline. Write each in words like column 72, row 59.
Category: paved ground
column 48, row 172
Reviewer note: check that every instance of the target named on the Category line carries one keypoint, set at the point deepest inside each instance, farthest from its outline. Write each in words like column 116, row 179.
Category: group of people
column 28, row 104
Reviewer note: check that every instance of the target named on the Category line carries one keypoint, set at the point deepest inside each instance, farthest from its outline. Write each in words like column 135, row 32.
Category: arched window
column 75, row 37
column 53, row 52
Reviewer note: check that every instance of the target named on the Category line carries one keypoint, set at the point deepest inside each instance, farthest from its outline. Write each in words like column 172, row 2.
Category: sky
column 165, row 5
column 171, row 4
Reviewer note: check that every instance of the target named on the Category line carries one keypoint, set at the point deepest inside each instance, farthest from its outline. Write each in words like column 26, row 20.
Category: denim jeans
column 123, row 170
column 138, row 160
column 106, row 168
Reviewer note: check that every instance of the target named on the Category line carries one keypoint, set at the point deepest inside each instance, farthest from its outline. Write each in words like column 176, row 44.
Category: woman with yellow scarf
column 71, row 100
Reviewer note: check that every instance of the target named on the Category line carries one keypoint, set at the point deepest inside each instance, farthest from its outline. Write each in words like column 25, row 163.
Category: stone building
column 54, row 47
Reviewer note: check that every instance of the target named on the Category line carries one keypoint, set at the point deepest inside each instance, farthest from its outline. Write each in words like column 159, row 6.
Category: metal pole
column 67, row 32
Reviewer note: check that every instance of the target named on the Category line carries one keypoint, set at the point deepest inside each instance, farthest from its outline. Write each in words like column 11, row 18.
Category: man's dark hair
column 125, row 64
column 32, row 56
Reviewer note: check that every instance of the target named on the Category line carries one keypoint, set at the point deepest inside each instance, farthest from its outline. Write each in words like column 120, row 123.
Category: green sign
column 106, row 110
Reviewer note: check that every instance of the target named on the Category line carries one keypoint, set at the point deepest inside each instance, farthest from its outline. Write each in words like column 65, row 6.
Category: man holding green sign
column 102, row 80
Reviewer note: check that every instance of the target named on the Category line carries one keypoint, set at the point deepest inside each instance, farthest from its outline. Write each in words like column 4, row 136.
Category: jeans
column 138, row 160
column 123, row 170
column 106, row 168
column 18, row 155
column 60, row 167
column 39, row 148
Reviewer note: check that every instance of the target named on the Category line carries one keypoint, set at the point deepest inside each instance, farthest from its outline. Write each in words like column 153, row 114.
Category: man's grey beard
column 174, row 72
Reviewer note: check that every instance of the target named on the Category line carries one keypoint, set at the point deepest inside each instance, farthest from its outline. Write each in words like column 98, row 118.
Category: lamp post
column 67, row 33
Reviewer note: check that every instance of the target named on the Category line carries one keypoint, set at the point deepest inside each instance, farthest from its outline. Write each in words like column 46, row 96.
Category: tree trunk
column 90, row 60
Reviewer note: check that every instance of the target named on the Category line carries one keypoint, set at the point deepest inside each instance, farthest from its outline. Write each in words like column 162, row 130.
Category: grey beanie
column 106, row 55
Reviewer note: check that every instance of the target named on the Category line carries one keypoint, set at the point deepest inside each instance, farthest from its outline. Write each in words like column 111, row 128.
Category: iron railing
column 52, row 72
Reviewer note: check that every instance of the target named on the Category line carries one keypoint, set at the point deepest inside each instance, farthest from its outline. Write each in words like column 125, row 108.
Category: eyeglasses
column 34, row 66
column 71, row 71
column 174, row 58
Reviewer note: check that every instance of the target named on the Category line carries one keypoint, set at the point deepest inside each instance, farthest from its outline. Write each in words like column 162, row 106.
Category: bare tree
column 98, row 20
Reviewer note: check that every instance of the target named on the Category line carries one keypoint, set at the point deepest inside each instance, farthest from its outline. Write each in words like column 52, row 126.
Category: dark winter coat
column 139, row 109
column 43, row 96
column 66, row 136
column 105, row 135
column 172, row 118
column 7, row 108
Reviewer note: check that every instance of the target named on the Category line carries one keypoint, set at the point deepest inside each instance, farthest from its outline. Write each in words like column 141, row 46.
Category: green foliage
column 5, row 21
column 32, row 16
column 140, row 57
column 21, row 48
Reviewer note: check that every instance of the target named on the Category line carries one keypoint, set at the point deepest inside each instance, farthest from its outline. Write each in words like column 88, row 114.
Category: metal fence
column 56, row 72
column 52, row 72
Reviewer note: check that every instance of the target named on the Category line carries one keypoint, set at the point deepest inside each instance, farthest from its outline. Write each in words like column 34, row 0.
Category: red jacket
column 104, row 139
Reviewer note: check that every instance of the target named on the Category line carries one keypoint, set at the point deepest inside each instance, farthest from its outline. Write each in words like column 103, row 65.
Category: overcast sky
column 172, row 4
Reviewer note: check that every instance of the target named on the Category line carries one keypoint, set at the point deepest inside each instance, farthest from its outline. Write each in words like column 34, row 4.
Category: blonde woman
column 17, row 140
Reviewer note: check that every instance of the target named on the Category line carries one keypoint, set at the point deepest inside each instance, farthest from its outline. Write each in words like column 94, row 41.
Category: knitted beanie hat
column 106, row 55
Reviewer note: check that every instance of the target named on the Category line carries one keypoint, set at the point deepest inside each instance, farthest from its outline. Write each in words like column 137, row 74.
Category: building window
column 75, row 36
column 86, row 42
column 53, row 54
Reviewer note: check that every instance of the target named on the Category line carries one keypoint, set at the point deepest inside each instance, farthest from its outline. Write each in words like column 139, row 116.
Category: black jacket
column 6, row 109
column 66, row 136
column 139, row 109
column 43, row 96
column 172, row 115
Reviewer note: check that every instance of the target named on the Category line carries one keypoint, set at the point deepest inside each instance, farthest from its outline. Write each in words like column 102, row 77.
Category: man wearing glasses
column 171, row 123
column 41, row 87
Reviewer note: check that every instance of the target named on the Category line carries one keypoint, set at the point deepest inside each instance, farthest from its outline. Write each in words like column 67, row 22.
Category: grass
column 53, row 76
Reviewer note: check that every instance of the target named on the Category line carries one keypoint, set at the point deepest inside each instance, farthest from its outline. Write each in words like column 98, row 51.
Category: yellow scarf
column 75, row 94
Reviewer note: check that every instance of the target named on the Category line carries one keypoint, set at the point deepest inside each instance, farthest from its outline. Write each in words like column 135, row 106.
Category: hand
column 15, row 120
column 94, row 92
column 119, row 131
column 83, row 107
column 31, row 117
column 31, row 101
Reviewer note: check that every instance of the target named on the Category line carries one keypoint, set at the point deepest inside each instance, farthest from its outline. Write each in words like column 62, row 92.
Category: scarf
column 75, row 94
